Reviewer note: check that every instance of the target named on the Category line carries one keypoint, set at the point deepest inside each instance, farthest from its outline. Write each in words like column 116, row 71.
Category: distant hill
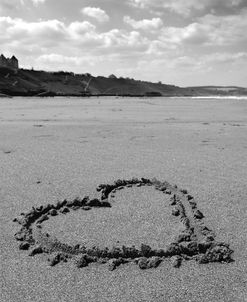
column 24, row 82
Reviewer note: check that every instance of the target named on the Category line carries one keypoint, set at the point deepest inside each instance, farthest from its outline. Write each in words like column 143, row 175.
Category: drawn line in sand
column 195, row 242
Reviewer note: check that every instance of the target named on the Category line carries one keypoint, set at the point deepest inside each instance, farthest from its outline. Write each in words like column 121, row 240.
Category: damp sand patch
column 192, row 240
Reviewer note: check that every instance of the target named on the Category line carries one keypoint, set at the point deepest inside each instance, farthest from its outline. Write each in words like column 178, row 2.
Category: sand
column 51, row 149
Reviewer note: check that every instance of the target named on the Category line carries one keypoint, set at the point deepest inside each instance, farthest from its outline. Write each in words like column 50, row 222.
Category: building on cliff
column 9, row 62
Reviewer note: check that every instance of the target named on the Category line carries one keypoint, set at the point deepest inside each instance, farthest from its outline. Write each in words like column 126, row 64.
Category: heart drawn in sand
column 196, row 241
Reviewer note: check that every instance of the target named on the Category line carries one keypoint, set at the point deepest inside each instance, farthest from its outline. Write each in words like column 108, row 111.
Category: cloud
column 79, row 37
column 145, row 24
column 80, row 28
column 96, row 12
column 209, row 30
column 37, row 2
column 186, row 8
column 224, row 57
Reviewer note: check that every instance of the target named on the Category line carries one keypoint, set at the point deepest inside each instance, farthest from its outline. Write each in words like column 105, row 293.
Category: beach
column 57, row 148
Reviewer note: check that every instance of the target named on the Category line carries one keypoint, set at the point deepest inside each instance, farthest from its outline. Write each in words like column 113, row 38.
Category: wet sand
column 51, row 149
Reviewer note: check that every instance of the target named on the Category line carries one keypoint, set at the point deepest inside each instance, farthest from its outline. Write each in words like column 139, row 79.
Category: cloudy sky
column 181, row 42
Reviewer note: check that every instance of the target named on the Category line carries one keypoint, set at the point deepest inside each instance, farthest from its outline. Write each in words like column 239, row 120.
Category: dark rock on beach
column 114, row 263
column 198, row 214
column 189, row 248
column 53, row 212
column 218, row 252
column 183, row 237
column 43, row 218
column 146, row 250
column 130, row 252
column 173, row 200
column 173, row 249
column 59, row 257
column 154, row 262
column 36, row 250
column 86, row 208
column 22, row 234
column 24, row 246
column 84, row 260
column 175, row 212
column 143, row 263
column 176, row 261
column 65, row 210
column 94, row 203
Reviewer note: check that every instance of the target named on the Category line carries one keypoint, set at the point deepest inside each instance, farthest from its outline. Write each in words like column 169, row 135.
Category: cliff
column 24, row 82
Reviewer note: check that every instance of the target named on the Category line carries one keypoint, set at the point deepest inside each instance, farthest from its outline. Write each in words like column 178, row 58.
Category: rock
column 105, row 204
column 160, row 253
column 184, row 191
column 146, row 250
column 218, row 252
column 22, row 235
column 103, row 260
column 173, row 249
column 183, row 237
column 114, row 263
column 173, row 200
column 198, row 214
column 189, row 248
column 130, row 252
column 175, row 212
column 193, row 204
column 24, row 246
column 154, row 262
column 42, row 218
column 186, row 222
column 39, row 209
column 58, row 258
column 64, row 203
column 70, row 204
column 145, row 180
column 75, row 208
column 115, row 252
column 204, row 245
column 189, row 197
column 23, row 220
column 94, row 203
column 86, row 208
column 36, row 250
column 162, row 188
column 176, row 261
column 47, row 208
column 143, row 263
column 58, row 206
column 78, row 202
column 53, row 212
column 168, row 192
column 82, row 262
column 65, row 210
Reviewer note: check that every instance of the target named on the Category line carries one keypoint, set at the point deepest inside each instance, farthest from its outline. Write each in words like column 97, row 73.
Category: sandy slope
column 71, row 145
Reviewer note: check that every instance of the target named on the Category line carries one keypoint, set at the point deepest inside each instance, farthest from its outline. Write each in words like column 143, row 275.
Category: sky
column 179, row 42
